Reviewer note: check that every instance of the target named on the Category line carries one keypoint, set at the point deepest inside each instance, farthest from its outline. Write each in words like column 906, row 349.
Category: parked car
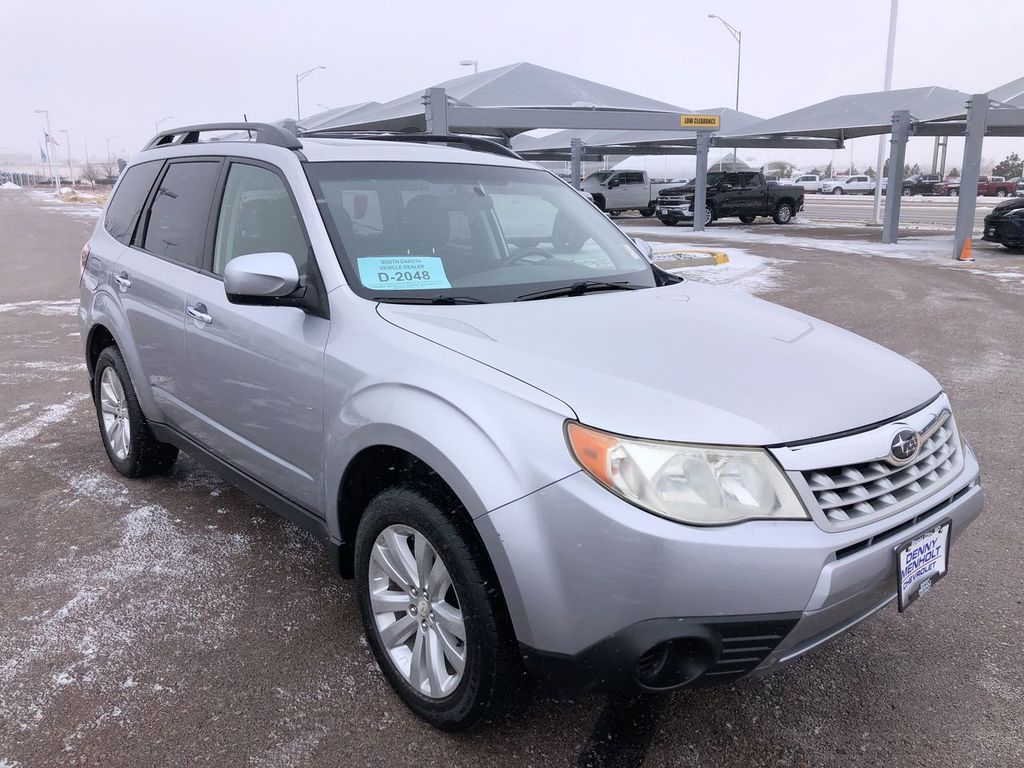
column 745, row 194
column 623, row 190
column 920, row 184
column 988, row 186
column 1005, row 225
column 1020, row 188
column 495, row 437
column 851, row 185
column 808, row 181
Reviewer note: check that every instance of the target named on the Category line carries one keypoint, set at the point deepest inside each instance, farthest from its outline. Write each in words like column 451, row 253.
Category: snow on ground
column 931, row 248
column 8, row 185
column 744, row 271
column 81, row 205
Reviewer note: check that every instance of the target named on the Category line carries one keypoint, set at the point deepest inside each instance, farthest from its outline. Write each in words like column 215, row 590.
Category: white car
column 809, row 181
column 850, row 185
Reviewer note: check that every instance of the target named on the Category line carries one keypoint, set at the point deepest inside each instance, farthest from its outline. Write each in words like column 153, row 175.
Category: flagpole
column 49, row 149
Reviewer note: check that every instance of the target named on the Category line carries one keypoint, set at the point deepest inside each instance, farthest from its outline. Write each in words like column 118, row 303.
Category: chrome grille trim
column 845, row 496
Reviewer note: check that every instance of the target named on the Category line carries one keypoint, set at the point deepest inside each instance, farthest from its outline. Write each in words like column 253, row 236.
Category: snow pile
column 9, row 185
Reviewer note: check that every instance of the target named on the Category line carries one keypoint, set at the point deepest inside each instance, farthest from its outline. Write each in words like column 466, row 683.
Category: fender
column 106, row 311
column 478, row 450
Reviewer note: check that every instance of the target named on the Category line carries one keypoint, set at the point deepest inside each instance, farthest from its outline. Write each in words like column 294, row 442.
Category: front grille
column 874, row 489
column 671, row 199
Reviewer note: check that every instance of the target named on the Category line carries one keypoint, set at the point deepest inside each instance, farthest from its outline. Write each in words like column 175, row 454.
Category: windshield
column 467, row 232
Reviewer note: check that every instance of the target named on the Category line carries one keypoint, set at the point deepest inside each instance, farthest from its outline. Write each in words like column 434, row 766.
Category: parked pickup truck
column 745, row 194
column 621, row 190
column 921, row 184
column 808, row 181
column 988, row 186
column 851, row 185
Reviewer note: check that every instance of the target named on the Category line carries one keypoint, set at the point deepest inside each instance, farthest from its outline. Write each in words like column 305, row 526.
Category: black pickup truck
column 745, row 194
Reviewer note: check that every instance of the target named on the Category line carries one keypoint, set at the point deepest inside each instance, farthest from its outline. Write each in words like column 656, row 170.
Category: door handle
column 198, row 312
column 123, row 282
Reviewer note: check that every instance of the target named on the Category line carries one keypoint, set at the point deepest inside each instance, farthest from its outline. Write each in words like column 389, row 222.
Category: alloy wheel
column 416, row 611
column 114, row 408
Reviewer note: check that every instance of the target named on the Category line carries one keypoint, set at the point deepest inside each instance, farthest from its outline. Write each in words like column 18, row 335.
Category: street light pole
column 71, row 171
column 109, row 161
column 49, row 150
column 298, row 79
column 738, row 37
column 893, row 10
column 471, row 63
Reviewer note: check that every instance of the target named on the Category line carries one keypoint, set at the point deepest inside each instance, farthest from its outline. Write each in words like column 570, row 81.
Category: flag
column 42, row 155
column 51, row 140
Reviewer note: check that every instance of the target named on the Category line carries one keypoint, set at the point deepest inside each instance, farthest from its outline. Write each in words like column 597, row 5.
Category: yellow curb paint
column 716, row 257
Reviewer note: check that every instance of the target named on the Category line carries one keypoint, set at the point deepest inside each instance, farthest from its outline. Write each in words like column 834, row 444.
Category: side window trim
column 145, row 202
column 143, row 223
column 218, row 198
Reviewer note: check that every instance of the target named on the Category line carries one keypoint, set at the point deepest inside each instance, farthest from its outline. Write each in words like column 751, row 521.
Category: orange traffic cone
column 965, row 252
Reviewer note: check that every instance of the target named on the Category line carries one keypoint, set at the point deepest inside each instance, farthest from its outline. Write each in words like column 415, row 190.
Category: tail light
column 85, row 259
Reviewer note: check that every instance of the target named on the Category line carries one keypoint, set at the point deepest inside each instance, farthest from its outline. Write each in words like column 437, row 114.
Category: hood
column 687, row 362
column 683, row 189
column 1004, row 208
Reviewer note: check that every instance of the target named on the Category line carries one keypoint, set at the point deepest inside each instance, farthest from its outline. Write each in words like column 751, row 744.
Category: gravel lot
column 173, row 621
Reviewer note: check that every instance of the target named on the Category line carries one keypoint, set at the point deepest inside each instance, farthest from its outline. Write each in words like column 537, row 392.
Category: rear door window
column 128, row 199
column 176, row 226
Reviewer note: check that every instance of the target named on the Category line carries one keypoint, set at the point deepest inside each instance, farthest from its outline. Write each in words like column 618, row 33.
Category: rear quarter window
column 129, row 197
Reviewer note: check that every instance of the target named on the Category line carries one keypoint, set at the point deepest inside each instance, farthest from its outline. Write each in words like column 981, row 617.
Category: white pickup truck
column 623, row 190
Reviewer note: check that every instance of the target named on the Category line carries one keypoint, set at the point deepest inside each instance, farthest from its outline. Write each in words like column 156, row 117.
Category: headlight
column 695, row 484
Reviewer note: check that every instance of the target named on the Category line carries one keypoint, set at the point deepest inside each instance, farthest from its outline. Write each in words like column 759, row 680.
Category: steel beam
column 435, row 104
column 576, row 172
column 977, row 117
column 516, row 119
column 897, row 157
column 700, row 182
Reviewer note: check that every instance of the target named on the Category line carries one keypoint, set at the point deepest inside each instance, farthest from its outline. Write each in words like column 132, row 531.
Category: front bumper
column 999, row 230
column 601, row 592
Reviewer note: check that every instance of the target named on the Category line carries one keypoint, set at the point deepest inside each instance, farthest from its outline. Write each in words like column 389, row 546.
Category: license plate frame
column 913, row 582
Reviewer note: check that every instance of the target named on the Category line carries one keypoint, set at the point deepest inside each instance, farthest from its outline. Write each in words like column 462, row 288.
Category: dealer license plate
column 921, row 563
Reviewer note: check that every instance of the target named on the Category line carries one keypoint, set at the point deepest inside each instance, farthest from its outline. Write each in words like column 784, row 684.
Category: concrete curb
column 691, row 258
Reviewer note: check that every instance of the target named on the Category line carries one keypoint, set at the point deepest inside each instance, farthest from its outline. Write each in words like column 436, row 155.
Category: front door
column 255, row 383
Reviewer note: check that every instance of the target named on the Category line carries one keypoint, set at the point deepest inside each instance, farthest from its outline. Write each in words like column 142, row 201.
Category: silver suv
column 531, row 447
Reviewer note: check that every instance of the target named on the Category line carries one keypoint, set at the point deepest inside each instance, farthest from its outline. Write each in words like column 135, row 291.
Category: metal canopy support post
column 700, row 182
column 435, row 103
column 576, row 160
column 894, row 192
column 977, row 118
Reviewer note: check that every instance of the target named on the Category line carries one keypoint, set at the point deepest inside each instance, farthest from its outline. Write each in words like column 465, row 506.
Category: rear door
column 753, row 197
column 154, row 274
column 255, row 386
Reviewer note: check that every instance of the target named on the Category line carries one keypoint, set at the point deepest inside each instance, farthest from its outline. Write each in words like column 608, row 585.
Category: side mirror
column 613, row 183
column 644, row 247
column 259, row 278
column 725, row 187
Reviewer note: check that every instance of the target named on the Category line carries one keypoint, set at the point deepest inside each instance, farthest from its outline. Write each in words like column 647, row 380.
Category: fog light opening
column 673, row 663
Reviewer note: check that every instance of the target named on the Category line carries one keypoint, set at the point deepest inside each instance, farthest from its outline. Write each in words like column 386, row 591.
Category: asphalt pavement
column 173, row 621
column 915, row 211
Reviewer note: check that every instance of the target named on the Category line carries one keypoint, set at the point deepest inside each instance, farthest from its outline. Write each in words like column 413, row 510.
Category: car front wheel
column 837, row 191
column 432, row 611
column 953, row 193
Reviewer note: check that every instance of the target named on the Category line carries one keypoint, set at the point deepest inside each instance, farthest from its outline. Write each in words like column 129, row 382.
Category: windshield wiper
column 578, row 289
column 429, row 300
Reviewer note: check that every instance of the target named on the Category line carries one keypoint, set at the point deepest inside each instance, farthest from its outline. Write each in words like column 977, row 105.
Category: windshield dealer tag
column 402, row 273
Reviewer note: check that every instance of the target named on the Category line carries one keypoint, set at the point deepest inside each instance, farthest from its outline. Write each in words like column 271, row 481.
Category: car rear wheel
column 837, row 191
column 783, row 213
column 709, row 215
column 908, row 192
column 432, row 611
column 953, row 193
column 130, row 444
column 1000, row 193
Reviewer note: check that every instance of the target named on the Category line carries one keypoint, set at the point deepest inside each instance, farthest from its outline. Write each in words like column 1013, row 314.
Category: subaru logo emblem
column 904, row 446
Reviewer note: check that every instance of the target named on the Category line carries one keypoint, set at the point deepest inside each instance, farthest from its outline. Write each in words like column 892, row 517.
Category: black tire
column 709, row 215
column 146, row 455
column 647, row 212
column 783, row 213
column 908, row 192
column 493, row 673
column 599, row 202
column 615, row 212
column 1000, row 193
column 669, row 222
column 748, row 218
column 953, row 192
column 837, row 191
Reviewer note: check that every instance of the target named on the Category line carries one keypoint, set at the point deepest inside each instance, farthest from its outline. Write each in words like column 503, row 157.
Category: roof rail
column 265, row 134
column 474, row 143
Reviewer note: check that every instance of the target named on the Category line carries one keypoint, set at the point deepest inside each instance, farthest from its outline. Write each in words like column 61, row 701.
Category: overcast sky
column 117, row 66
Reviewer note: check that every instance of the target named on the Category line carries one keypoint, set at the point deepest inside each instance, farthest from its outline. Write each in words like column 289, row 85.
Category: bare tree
column 93, row 173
